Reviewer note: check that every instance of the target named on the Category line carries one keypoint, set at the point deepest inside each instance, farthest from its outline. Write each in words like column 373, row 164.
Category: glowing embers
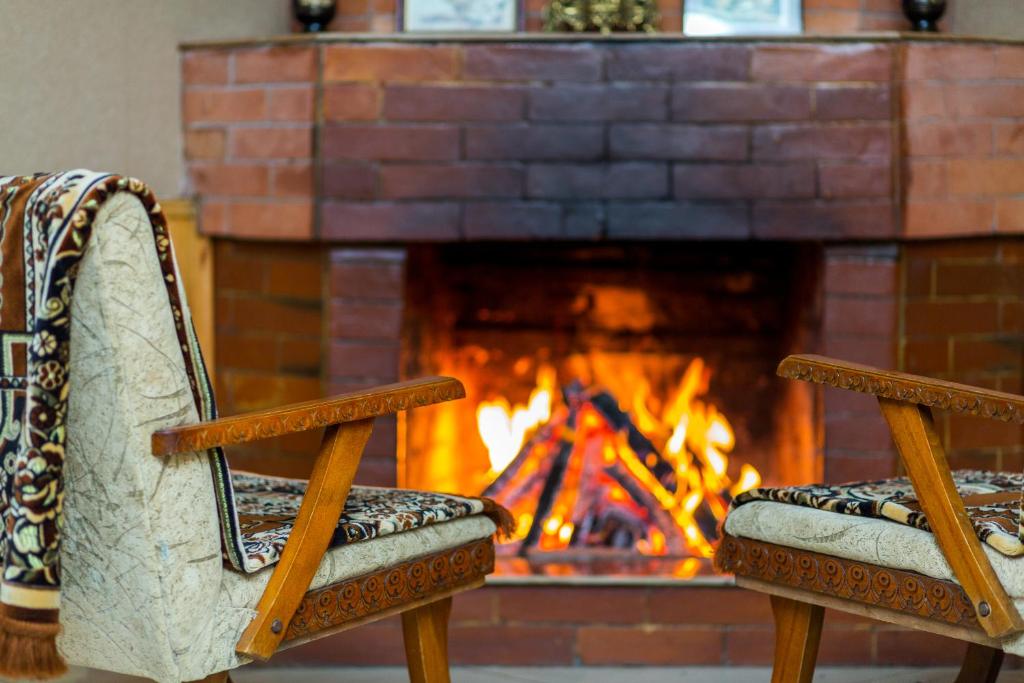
column 587, row 471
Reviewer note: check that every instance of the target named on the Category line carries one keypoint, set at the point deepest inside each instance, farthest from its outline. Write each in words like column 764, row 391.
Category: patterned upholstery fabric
column 992, row 500
column 267, row 508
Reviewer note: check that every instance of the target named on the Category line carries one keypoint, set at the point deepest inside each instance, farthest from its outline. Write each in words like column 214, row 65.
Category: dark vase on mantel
column 924, row 15
column 314, row 15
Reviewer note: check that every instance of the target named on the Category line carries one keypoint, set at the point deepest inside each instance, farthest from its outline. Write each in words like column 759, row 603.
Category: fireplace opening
column 618, row 396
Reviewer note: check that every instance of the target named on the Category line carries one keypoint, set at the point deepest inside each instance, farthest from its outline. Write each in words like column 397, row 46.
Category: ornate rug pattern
column 992, row 499
column 46, row 221
column 45, row 225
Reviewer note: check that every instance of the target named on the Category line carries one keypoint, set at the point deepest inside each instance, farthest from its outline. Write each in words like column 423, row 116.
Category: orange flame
column 504, row 428
column 690, row 433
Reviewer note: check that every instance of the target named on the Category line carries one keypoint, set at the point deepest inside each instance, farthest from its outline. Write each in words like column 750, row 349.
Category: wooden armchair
column 944, row 581
column 173, row 568
column 420, row 589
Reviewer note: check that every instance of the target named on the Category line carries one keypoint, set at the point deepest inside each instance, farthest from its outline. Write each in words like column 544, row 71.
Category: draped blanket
column 992, row 500
column 45, row 225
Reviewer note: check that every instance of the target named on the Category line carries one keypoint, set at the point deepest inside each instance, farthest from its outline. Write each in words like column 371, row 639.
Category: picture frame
column 461, row 16
column 742, row 17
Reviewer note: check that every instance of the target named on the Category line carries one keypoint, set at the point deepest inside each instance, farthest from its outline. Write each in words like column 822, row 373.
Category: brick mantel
column 388, row 139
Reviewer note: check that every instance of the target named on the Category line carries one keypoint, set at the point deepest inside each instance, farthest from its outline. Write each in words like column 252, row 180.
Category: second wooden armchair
column 940, row 551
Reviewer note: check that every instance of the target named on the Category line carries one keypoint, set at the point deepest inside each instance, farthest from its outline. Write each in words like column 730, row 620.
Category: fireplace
column 618, row 395
column 624, row 235
column 400, row 168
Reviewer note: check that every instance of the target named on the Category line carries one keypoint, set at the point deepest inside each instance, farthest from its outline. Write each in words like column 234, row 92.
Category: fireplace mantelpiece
column 390, row 139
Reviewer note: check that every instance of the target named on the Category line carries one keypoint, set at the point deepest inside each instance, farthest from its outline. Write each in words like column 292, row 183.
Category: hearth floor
column 507, row 674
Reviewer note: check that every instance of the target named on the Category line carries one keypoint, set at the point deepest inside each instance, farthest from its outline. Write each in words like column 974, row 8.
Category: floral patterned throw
column 46, row 221
column 992, row 499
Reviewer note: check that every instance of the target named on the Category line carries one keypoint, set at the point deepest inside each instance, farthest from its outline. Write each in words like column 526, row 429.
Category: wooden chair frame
column 287, row 612
column 975, row 608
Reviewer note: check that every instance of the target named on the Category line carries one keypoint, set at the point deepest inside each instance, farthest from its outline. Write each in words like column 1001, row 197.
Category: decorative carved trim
column 862, row 582
column 363, row 596
column 301, row 417
column 899, row 386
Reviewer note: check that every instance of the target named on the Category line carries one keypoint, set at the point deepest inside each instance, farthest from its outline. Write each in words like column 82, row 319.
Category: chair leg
column 981, row 664
column 220, row 677
column 425, row 630
column 797, row 634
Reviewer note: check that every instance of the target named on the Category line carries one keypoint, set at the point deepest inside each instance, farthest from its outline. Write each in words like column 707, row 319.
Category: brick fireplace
column 337, row 174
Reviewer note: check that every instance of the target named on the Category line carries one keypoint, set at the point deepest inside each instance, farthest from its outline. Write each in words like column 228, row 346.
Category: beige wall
column 996, row 18
column 95, row 83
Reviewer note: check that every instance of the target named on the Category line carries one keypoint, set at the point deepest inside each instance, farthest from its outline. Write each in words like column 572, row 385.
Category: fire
column 503, row 428
column 664, row 484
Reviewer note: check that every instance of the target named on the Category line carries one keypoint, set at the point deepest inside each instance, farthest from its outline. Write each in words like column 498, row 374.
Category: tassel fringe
column 28, row 649
column 501, row 517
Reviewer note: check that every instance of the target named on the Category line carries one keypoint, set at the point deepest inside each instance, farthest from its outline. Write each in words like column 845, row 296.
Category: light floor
column 604, row 675
column 502, row 674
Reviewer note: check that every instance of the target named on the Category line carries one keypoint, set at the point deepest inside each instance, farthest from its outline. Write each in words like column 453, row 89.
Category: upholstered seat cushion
column 866, row 539
column 862, row 539
column 881, row 522
column 992, row 501
column 267, row 508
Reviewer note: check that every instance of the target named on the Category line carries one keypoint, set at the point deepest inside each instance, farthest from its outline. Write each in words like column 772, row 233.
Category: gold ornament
column 605, row 16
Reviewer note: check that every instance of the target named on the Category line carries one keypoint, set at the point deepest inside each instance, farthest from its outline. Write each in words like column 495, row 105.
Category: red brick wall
column 365, row 16
column 963, row 320
column 460, row 140
column 861, row 311
column 248, row 117
column 964, row 116
column 269, row 331
column 564, row 626
column 586, row 140
column 366, row 296
column 963, row 108
column 847, row 16
column 947, row 309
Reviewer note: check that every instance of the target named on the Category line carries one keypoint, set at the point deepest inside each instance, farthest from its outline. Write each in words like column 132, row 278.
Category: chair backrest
column 141, row 554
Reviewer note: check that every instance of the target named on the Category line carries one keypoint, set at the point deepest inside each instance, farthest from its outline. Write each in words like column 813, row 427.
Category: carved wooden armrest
column 906, row 402
column 348, row 419
column 900, row 386
column 301, row 417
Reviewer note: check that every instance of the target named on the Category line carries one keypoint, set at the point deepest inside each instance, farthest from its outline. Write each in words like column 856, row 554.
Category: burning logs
column 589, row 477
